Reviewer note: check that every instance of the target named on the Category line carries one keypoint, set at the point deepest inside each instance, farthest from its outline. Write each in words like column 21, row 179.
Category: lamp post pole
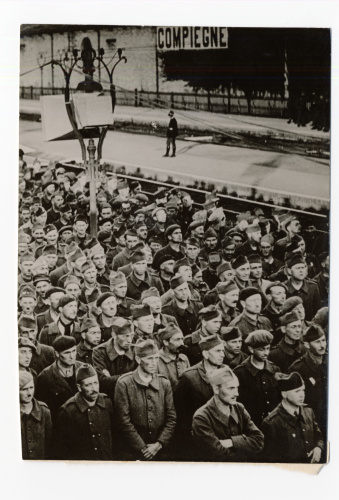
column 92, row 169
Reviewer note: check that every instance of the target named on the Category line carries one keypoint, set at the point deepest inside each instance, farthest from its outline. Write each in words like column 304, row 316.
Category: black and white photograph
column 173, row 258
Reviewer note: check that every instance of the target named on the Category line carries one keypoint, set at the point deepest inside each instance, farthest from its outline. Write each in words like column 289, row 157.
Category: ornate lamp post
column 88, row 57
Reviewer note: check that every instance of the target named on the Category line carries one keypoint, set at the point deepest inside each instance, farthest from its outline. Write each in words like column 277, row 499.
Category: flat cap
column 227, row 242
column 248, row 292
column 85, row 371
column 209, row 312
column 72, row 279
column 259, row 338
column 224, row 287
column 229, row 333
column 239, row 261
column 145, row 348
column 63, row 229
column 122, row 326
column 26, row 257
column 27, row 291
column 138, row 311
column 275, row 284
column 168, row 332
column 151, row 292
column 63, row 343
column 66, row 299
column 314, row 332
column 254, row 258
column 171, row 229
column 117, row 278
column 208, row 343
column 290, row 382
column 176, row 281
column 138, row 256
column 289, row 317
column 225, row 266
column 50, row 250
column 41, row 277
column 27, row 322
column 24, row 342
column 221, row 376
column 103, row 297
column 293, row 260
column 196, row 223
column 290, row 304
column 25, row 378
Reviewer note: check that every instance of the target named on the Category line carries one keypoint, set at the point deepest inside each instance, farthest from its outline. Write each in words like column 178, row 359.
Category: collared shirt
column 172, row 366
column 65, row 372
column 61, row 327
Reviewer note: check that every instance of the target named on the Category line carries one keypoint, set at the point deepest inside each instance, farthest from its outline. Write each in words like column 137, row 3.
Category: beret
column 314, row 332
column 103, row 297
column 294, row 260
column 66, row 299
column 229, row 333
column 155, row 239
column 27, row 291
column 164, row 258
column 81, row 218
column 176, row 281
column 321, row 318
column 274, row 284
column 63, row 343
column 223, row 375
column 158, row 209
column 200, row 216
column 72, row 279
column 85, row 371
column 39, row 211
column 49, row 183
column 243, row 216
column 239, row 235
column 259, row 338
column 290, row 304
column 289, row 382
column 217, row 215
column 122, row 326
column 50, row 228
column 267, row 238
column 54, row 289
column 168, row 332
column 171, row 229
column 193, row 242
column 41, row 277
column 225, row 266
column 224, row 287
column 65, row 208
column 227, row 241
column 151, row 292
column 207, row 343
column 104, row 235
column 195, row 224
column 116, row 278
column 254, row 258
column 88, row 323
column 253, row 228
column 119, row 231
column 142, row 197
column 144, row 348
column 24, row 378
column 239, row 261
column 87, row 265
column 76, row 255
column 22, row 238
column 49, row 250
column 97, row 250
column 103, row 221
column 289, row 317
column 27, row 257
column 37, row 226
column 71, row 248
column 181, row 263
column 210, row 233
column 245, row 293
column 24, row 342
column 209, row 312
column 63, row 229
column 27, row 322
column 138, row 311
column 138, row 256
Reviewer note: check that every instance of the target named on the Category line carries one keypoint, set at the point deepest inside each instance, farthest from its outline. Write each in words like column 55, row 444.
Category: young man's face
column 28, row 333
column 149, row 364
column 228, row 252
column 70, row 310
column 25, row 356
column 211, row 243
column 81, row 227
column 155, row 246
column 186, row 272
column 253, row 304
column 140, row 267
column 318, row 347
column 131, row 241
column 243, row 272
column 293, row 330
column 256, row 270
column 92, row 336
column 109, row 307
column 192, row 251
column 27, row 305
column 278, row 294
column 52, row 237
column 90, row 275
column 142, row 232
column 124, row 341
column 51, row 260
column 73, row 289
column 216, row 355
column 41, row 288
column 106, row 213
column 182, row 292
column 154, row 303
column 297, row 396
column 298, row 272
column 25, row 215
column 68, row 357
column 212, row 326
column 38, row 235
column 145, row 324
column 99, row 261
column 176, row 236
column 27, row 393
column 266, row 249
column 234, row 346
column 26, row 268
column 57, row 202
column 260, row 353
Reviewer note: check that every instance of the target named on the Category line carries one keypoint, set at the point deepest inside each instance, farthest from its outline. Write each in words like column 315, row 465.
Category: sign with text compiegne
column 191, row 38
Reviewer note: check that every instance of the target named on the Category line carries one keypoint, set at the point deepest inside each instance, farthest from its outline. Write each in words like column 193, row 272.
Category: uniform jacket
column 103, row 279
column 44, row 319
column 124, row 308
column 53, row 389
column 37, row 433
column 135, row 286
column 167, row 250
column 228, row 316
column 323, row 283
column 289, row 438
column 105, row 357
column 210, row 426
column 194, row 353
column 187, row 319
column 51, row 332
column 145, row 413
column 272, row 315
column 42, row 357
column 283, row 355
column 247, row 325
column 172, row 130
column 41, row 307
column 309, row 294
column 84, row 432
column 84, row 354
column 234, row 362
column 172, row 368
column 58, row 273
column 121, row 259
column 258, row 390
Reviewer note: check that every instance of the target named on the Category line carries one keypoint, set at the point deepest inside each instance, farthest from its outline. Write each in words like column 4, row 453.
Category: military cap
column 151, row 292
column 119, row 231
column 217, row 215
column 228, row 333
column 88, row 323
column 72, row 279
column 50, row 228
column 275, row 284
column 224, row 266
column 158, row 209
column 97, row 250
column 138, row 256
column 290, row 382
column 224, row 287
column 289, row 317
column 163, row 259
column 181, row 263
column 122, row 326
column 117, row 278
column 66, row 299
column 81, row 218
column 138, row 311
column 22, row 238
column 27, row 256
column 57, row 193
column 239, row 235
column 243, row 216
column 49, row 183
column 49, row 250
column 221, row 376
column 209, row 312
column 171, row 229
column 25, row 378
column 24, row 342
column 142, row 197
column 321, row 317
column 210, row 233
column 290, row 304
column 259, row 338
column 36, row 226
column 208, row 343
column 87, row 265
column 54, row 289
column 122, row 184
column 27, row 322
column 71, row 247
column 27, row 291
column 195, row 224
column 254, row 258
column 106, row 219
column 63, row 343
column 145, row 348
column 104, row 235
column 176, row 281
column 41, row 277
column 39, row 211
column 63, row 229
column 245, row 293
column 103, row 297
column 252, row 228
column 168, row 332
column 294, row 259
column 239, row 261
column 70, row 197
column 267, row 238
column 155, row 239
column 227, row 241
column 313, row 332
column 193, row 242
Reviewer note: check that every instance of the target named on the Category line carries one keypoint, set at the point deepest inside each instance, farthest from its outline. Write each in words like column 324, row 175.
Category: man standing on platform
column 172, row 132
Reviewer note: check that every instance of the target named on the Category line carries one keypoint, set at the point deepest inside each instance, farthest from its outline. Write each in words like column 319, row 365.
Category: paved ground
column 280, row 173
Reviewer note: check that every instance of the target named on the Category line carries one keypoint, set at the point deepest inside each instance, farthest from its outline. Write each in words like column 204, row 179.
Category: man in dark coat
column 144, row 407
column 231, row 336
column 172, row 132
column 258, row 386
column 42, row 355
column 140, row 279
column 276, row 294
column 90, row 338
column 57, row 383
column 291, row 433
column 84, row 424
column 36, row 423
column 66, row 325
column 222, row 428
column 53, row 295
column 118, row 286
column 172, row 360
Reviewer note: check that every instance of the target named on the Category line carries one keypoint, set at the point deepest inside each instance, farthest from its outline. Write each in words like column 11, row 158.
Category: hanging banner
column 191, row 38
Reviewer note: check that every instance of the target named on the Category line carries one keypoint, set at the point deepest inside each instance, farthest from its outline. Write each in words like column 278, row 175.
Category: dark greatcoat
column 135, row 286
column 51, row 332
column 187, row 319
column 44, row 319
column 42, row 357
column 37, row 433
column 309, row 294
column 283, row 355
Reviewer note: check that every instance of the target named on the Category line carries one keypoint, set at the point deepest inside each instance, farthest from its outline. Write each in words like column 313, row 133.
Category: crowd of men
column 174, row 334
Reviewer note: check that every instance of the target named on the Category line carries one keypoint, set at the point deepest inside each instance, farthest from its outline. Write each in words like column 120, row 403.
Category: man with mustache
column 172, row 360
column 90, row 338
column 84, row 424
